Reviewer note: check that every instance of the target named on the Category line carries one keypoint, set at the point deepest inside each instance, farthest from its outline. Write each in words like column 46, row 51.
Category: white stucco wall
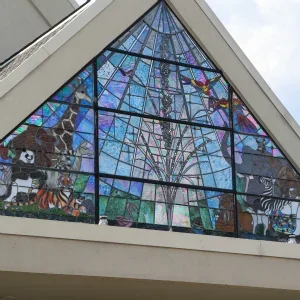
column 61, row 248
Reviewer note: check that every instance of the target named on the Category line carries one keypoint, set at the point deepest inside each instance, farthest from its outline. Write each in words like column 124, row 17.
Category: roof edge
column 83, row 16
column 77, row 8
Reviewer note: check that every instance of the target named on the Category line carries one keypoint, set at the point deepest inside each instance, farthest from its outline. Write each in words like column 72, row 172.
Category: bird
column 122, row 221
column 128, row 73
column 240, row 119
column 205, row 88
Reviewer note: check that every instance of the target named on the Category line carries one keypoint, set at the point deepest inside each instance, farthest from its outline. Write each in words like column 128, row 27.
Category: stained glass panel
column 271, row 218
column 153, row 129
column 78, row 90
column 47, row 163
column 31, row 192
column 262, row 169
column 134, row 204
column 58, row 136
column 243, row 120
column 144, row 86
column 145, row 148
column 158, row 30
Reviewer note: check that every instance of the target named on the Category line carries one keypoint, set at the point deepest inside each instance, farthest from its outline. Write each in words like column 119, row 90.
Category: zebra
column 261, row 208
column 267, row 203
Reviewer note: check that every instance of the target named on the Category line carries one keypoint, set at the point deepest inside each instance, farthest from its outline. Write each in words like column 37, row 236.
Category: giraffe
column 63, row 131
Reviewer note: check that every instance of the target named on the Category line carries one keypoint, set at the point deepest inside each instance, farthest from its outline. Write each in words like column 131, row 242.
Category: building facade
column 158, row 135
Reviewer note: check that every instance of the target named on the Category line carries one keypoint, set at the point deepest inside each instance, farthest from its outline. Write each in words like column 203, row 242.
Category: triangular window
column 151, row 135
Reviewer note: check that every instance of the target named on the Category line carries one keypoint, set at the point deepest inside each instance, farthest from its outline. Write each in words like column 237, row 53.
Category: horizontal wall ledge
column 58, row 248
column 143, row 237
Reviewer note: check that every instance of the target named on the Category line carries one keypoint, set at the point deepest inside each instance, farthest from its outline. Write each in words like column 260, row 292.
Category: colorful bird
column 206, row 87
column 240, row 119
column 128, row 73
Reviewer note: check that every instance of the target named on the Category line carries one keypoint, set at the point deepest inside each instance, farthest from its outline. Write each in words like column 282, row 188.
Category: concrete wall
column 21, row 21
column 68, row 249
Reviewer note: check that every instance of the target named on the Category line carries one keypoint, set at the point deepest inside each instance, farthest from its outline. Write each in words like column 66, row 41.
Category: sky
column 268, row 31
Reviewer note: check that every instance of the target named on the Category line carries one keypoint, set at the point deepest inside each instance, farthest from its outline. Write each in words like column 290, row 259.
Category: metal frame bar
column 153, row 117
column 232, row 146
column 171, row 62
column 166, row 183
column 96, row 140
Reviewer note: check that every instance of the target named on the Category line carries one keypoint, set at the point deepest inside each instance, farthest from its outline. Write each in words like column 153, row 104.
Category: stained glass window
column 47, row 163
column 151, row 135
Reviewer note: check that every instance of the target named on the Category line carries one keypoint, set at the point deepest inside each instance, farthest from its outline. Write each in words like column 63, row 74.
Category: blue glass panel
column 159, row 29
column 243, row 120
column 79, row 90
column 144, row 148
column 155, row 88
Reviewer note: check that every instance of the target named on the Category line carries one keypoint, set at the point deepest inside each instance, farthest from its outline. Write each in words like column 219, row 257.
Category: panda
column 25, row 179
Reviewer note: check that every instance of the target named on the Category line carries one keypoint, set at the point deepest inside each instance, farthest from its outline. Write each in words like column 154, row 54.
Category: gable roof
column 86, row 35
